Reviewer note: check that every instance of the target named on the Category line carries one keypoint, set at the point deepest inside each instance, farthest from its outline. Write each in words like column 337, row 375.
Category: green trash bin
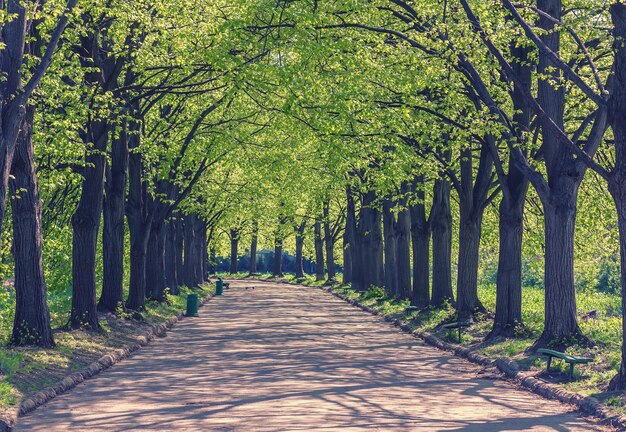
column 219, row 287
column 192, row 305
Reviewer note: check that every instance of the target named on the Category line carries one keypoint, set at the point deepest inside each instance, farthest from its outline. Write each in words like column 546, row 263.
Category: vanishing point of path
column 290, row 358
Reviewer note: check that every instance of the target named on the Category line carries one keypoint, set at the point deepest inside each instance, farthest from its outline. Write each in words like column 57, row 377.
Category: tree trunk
column 508, row 314
column 617, row 182
column 391, row 266
column 112, row 296
column 234, row 253
column 212, row 259
column 299, row 246
column 349, row 239
column 442, row 244
column 329, row 242
column 403, row 246
column 31, row 325
column 199, row 242
column 189, row 255
column 204, row 251
column 469, row 248
column 560, row 296
column 319, row 251
column 509, row 278
column 278, row 257
column 86, row 223
column 171, row 277
column 155, row 263
column 179, row 236
column 253, row 247
column 139, row 225
column 370, row 230
column 420, row 242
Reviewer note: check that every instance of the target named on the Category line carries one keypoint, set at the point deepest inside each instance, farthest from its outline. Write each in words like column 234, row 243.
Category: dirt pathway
column 286, row 358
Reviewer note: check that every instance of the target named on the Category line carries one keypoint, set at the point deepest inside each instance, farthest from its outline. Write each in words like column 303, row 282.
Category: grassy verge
column 603, row 326
column 28, row 370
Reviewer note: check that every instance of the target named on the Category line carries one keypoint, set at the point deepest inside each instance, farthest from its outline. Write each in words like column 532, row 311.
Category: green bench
column 572, row 360
column 456, row 325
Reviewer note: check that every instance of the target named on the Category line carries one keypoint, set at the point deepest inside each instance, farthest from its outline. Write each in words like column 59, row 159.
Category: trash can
column 219, row 287
column 192, row 305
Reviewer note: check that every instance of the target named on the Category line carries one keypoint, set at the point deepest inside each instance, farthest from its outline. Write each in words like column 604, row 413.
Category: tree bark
column 403, row 246
column 514, row 186
column 171, row 276
column 278, row 257
column 212, row 259
column 234, row 250
column 329, row 242
column 319, row 251
column 441, row 218
column 420, row 242
column 31, row 325
column 509, row 278
column 179, row 236
column 564, row 175
column 155, row 263
column 139, row 224
column 350, row 247
column 391, row 266
column 86, row 223
column 299, row 246
column 189, row 264
column 112, row 296
column 617, row 181
column 253, row 247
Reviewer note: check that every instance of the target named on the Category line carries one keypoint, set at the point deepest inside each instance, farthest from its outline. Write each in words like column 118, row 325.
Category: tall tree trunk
column 212, row 259
column 253, row 247
column 139, row 224
column 617, row 182
column 329, row 242
column 189, row 263
column 299, row 246
column 155, row 263
column 234, row 253
column 179, row 236
column 508, row 314
column 204, row 251
column 509, row 277
column 278, row 257
column 171, row 277
column 349, row 240
column 559, row 202
column 198, row 269
column 86, row 223
column 420, row 242
column 441, row 218
column 31, row 325
column 403, row 246
column 112, row 296
column 319, row 251
column 391, row 266
column 370, row 230
column 467, row 282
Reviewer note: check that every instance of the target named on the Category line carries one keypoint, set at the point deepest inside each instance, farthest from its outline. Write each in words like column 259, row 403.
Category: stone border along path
column 33, row 401
column 277, row 357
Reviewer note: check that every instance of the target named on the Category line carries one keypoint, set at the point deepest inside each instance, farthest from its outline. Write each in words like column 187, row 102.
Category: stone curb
column 33, row 401
column 587, row 404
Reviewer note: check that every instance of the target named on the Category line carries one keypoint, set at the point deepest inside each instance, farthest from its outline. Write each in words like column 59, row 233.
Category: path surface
column 285, row 358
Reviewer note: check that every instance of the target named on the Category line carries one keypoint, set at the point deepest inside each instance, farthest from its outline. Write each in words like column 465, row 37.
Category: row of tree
column 177, row 130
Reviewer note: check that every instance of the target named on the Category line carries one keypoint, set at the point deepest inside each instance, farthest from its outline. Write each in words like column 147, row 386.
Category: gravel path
column 274, row 357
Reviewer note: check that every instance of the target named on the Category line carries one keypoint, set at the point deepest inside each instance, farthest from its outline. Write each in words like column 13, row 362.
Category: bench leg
column 571, row 370
column 459, row 334
column 549, row 362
